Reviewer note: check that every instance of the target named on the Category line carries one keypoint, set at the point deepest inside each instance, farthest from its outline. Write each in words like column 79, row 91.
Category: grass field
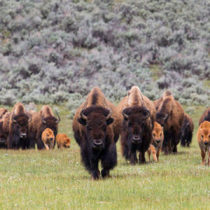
column 57, row 180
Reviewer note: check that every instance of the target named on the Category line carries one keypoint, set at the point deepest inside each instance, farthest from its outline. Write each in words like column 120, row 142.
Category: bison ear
column 82, row 121
column 109, row 121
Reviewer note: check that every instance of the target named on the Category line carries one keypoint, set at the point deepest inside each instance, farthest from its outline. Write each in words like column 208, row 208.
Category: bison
column 15, row 127
column 157, row 141
column 187, row 131
column 96, row 127
column 39, row 122
column 170, row 115
column 63, row 141
column 48, row 138
column 205, row 116
column 203, row 137
column 138, row 120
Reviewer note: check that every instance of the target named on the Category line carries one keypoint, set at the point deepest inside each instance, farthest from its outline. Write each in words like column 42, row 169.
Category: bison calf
column 203, row 137
column 48, row 138
column 63, row 141
column 157, row 141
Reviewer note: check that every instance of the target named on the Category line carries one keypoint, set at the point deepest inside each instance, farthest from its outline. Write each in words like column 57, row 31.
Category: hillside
column 56, row 51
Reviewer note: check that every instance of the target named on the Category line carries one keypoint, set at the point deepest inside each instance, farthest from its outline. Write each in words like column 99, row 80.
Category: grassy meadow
column 57, row 180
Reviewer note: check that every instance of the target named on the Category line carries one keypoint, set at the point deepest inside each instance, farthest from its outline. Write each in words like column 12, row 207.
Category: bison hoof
column 104, row 173
column 95, row 175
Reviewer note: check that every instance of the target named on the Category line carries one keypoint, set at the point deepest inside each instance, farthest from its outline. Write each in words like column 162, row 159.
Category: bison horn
column 109, row 114
column 125, row 113
column 59, row 119
column 82, row 114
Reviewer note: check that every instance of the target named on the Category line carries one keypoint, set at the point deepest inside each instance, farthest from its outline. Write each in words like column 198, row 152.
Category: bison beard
column 18, row 134
column 136, row 133
column 97, row 141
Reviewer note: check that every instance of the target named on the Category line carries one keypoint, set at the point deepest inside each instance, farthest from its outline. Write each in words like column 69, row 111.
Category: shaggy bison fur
column 96, row 127
column 39, row 122
column 170, row 115
column 187, row 131
column 205, row 116
column 138, row 120
column 15, row 127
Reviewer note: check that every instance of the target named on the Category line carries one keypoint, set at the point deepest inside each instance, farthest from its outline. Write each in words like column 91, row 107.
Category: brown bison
column 203, row 137
column 170, row 115
column 205, row 116
column 138, row 119
column 157, row 141
column 187, row 131
column 63, row 141
column 15, row 127
column 96, row 127
column 39, row 122
column 48, row 138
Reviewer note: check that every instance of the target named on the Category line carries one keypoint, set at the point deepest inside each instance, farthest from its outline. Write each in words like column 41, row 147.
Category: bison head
column 20, row 125
column 96, row 119
column 135, row 121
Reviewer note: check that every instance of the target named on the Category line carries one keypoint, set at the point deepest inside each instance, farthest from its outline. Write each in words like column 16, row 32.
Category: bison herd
column 143, row 125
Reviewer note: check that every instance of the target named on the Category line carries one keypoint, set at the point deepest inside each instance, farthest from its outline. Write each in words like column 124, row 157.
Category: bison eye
column 202, row 136
column 161, row 135
column 153, row 134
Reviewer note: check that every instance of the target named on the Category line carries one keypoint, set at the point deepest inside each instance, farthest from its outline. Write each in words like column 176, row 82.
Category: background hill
column 56, row 51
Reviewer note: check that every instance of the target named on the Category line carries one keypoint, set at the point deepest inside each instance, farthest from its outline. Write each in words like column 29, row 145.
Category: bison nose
column 136, row 139
column 97, row 142
column 206, row 143
column 51, row 139
column 23, row 135
column 158, row 141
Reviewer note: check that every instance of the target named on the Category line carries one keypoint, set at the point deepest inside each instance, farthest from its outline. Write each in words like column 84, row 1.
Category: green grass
column 57, row 180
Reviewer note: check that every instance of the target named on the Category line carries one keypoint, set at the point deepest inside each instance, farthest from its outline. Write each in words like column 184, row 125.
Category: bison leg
column 203, row 154
column 209, row 156
column 142, row 157
column 109, row 160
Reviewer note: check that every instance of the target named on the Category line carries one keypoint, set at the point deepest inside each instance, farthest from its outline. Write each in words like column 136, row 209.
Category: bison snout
column 136, row 139
column 97, row 142
column 205, row 143
column 23, row 135
column 51, row 139
column 158, row 141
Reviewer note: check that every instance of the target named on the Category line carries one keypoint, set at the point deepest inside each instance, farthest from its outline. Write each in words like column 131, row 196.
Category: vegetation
column 57, row 180
column 55, row 51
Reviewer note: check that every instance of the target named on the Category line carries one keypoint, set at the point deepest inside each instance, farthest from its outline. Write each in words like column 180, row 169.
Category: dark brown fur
column 205, row 116
column 39, row 122
column 96, row 127
column 187, row 131
column 170, row 115
column 139, row 116
column 15, row 127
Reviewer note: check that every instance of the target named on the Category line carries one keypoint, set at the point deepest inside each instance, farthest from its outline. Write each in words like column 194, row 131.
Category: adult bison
column 205, row 116
column 3, row 144
column 138, row 120
column 39, row 122
column 96, row 127
column 170, row 115
column 15, row 127
column 187, row 130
